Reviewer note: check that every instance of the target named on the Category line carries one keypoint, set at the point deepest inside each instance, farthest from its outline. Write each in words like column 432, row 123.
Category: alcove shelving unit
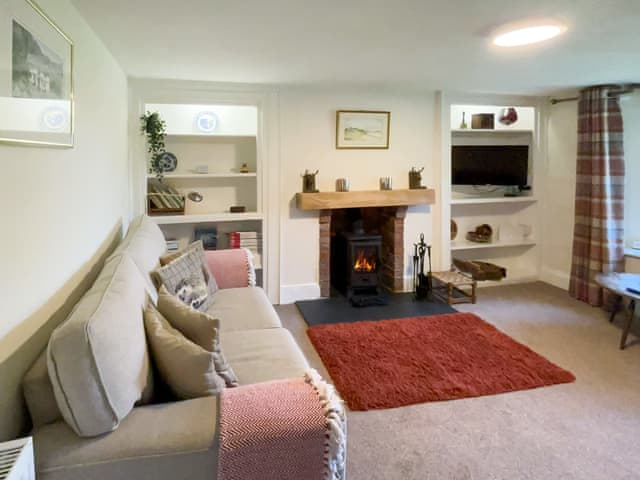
column 217, row 157
column 514, row 220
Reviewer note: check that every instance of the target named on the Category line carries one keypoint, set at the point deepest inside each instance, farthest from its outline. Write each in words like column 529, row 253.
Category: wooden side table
column 618, row 283
column 447, row 287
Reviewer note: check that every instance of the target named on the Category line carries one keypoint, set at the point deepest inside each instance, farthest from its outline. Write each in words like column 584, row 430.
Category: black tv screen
column 489, row 164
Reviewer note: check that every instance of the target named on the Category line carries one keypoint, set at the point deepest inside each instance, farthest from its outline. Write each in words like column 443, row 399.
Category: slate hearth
column 338, row 309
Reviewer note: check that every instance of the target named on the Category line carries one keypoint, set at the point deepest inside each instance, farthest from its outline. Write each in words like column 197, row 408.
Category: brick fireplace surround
column 392, row 231
column 392, row 206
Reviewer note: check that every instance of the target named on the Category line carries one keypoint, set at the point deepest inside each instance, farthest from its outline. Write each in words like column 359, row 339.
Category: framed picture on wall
column 36, row 77
column 362, row 129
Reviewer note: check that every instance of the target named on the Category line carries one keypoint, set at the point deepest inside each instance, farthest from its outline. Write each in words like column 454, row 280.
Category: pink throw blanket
column 287, row 430
column 232, row 268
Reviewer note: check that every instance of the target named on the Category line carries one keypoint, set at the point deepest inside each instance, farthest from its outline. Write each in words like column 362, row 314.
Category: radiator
column 16, row 460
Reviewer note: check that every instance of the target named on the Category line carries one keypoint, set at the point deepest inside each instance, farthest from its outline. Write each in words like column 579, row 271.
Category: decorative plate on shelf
column 167, row 162
column 206, row 122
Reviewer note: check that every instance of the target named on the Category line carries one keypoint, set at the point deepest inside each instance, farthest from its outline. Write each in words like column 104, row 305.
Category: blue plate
column 168, row 162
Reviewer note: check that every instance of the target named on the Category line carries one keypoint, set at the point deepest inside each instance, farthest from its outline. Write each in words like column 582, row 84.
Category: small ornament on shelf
column 415, row 179
column 385, row 183
column 508, row 116
column 309, row 182
column 342, row 185
column 463, row 123
column 244, row 168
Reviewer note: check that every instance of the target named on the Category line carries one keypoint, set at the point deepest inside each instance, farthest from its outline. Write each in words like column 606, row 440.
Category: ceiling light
column 524, row 35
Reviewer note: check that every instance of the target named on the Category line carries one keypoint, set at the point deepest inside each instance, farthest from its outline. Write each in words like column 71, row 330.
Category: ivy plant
column 154, row 128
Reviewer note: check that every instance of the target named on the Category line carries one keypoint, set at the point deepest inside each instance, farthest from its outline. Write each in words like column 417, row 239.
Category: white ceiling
column 407, row 44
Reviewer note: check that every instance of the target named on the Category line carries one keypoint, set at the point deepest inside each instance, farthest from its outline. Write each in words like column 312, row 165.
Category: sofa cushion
column 144, row 243
column 200, row 328
column 187, row 368
column 243, row 308
column 173, row 440
column 197, row 247
column 38, row 393
column 184, row 277
column 264, row 355
column 97, row 358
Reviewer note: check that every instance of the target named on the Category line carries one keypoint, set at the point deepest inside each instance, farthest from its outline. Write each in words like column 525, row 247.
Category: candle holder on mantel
column 415, row 179
column 385, row 183
column 309, row 182
column 342, row 185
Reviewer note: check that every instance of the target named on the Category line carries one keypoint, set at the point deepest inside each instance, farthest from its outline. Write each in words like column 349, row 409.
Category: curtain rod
column 560, row 100
column 624, row 89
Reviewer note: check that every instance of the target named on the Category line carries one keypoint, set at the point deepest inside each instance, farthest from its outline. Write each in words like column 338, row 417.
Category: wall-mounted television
column 489, row 164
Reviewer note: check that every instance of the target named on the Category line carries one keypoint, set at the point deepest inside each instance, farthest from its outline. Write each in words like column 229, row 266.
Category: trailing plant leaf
column 154, row 128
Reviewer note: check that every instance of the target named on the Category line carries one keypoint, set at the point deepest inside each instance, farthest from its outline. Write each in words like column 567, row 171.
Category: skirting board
column 555, row 277
column 301, row 291
column 309, row 291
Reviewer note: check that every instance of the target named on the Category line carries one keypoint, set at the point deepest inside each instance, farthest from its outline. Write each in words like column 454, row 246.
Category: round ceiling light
column 515, row 36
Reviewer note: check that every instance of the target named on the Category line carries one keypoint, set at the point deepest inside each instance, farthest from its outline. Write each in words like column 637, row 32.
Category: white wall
column 307, row 140
column 560, row 184
column 558, row 197
column 60, row 205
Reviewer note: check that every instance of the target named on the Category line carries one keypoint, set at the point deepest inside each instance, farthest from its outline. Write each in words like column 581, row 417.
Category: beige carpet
column 587, row 430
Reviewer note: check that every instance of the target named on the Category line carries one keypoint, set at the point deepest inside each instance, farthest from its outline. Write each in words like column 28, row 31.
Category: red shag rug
column 391, row 363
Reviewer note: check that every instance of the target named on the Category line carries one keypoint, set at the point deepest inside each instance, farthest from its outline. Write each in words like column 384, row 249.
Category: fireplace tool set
column 422, row 283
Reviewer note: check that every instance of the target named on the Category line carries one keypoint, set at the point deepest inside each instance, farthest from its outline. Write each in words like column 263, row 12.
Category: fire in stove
column 364, row 263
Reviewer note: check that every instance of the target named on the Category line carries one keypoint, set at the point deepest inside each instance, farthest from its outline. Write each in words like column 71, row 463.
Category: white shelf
column 208, row 218
column 490, row 130
column 463, row 244
column 486, row 200
column 151, row 176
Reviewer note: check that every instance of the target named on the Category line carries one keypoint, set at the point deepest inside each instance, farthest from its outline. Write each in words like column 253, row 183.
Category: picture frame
column 36, row 77
column 362, row 129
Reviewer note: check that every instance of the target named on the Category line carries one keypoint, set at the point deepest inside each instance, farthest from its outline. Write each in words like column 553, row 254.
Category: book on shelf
column 165, row 196
column 173, row 245
column 208, row 235
column 245, row 235
column 251, row 240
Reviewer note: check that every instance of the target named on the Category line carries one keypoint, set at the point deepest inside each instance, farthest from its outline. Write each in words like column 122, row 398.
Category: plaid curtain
column 599, row 213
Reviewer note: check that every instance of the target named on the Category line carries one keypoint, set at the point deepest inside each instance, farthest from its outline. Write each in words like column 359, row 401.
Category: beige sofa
column 89, row 394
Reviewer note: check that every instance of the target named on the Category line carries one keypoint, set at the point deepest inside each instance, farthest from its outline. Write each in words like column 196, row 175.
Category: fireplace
column 391, row 207
column 387, row 223
column 356, row 264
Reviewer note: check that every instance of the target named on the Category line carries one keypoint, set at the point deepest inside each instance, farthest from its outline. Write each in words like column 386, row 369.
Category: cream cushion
column 187, row 369
column 176, row 440
column 264, row 355
column 38, row 393
column 144, row 243
column 198, row 327
column 243, row 308
column 97, row 358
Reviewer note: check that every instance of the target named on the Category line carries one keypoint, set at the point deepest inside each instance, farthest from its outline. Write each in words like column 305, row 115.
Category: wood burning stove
column 356, row 265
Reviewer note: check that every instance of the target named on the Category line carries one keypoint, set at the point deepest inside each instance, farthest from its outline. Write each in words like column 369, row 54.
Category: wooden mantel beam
column 370, row 198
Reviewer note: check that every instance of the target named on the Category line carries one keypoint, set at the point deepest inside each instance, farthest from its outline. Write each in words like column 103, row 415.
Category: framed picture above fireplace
column 362, row 129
